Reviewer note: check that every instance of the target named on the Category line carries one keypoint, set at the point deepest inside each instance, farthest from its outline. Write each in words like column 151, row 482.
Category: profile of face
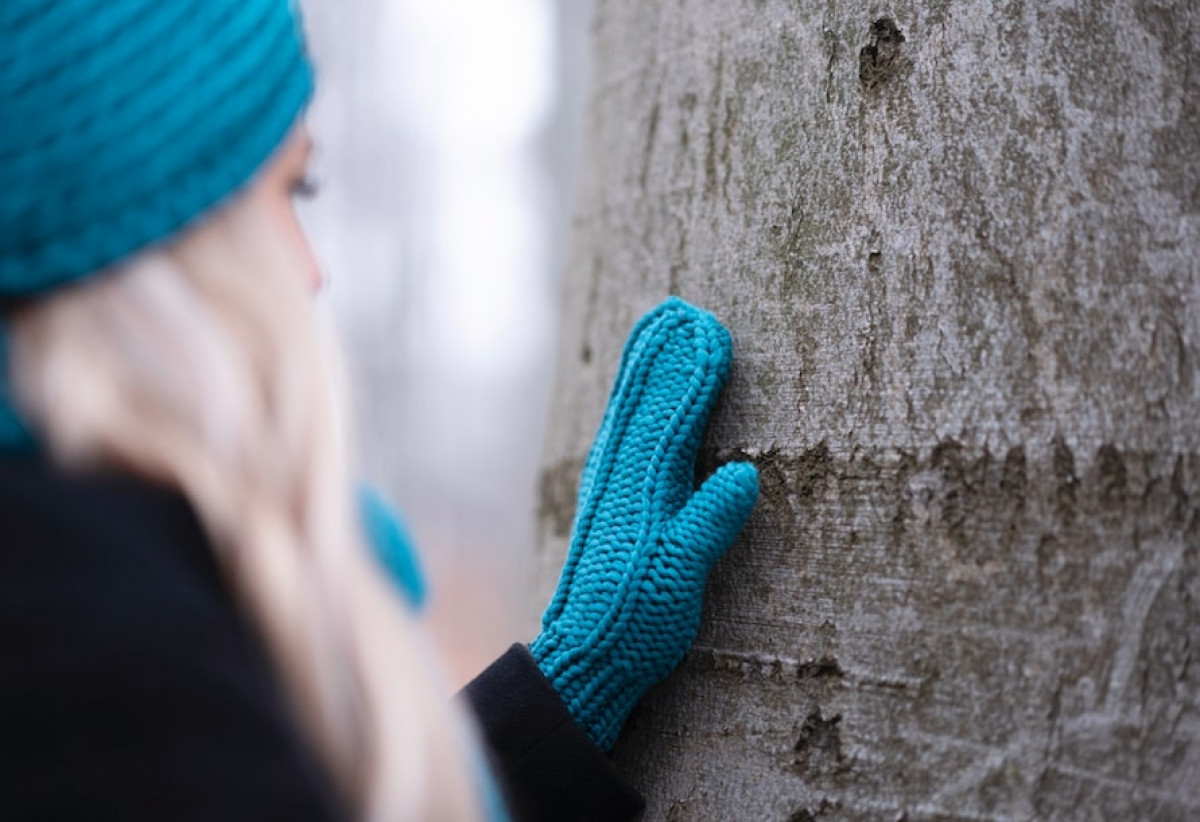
column 282, row 180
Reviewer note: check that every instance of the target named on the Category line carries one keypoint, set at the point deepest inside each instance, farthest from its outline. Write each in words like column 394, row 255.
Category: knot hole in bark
column 880, row 59
column 819, row 745
column 809, row 815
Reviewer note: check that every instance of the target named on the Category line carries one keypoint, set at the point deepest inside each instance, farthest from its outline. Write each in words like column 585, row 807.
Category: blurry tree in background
column 958, row 245
column 446, row 149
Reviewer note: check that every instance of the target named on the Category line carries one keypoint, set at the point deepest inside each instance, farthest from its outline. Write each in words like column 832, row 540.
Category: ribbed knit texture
column 123, row 120
column 628, row 603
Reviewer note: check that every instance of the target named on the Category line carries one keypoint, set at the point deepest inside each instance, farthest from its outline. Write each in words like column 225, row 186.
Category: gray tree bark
column 956, row 244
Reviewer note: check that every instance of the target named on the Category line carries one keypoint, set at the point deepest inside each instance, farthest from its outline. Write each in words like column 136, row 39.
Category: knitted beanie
column 123, row 120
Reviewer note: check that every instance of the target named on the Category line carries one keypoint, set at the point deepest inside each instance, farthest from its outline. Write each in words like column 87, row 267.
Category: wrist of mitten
column 598, row 688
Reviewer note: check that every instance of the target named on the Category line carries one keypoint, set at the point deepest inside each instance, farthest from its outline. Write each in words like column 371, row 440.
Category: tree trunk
column 957, row 246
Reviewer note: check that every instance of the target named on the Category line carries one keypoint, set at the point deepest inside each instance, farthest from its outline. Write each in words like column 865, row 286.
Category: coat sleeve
column 548, row 765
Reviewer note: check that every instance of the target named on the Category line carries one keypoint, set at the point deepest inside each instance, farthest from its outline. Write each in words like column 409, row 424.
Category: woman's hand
column 628, row 603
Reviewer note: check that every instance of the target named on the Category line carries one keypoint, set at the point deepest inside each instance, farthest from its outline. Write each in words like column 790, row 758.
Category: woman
column 190, row 624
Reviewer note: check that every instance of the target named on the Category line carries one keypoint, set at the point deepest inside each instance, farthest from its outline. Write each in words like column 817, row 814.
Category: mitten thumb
column 714, row 516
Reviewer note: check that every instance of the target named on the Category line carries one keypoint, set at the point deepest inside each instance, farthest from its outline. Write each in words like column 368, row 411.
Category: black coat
column 132, row 688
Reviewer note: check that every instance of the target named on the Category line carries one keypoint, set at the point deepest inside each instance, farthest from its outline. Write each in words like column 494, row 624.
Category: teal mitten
column 628, row 603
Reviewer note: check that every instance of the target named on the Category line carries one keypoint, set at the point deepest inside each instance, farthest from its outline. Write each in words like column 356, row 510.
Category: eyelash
column 305, row 188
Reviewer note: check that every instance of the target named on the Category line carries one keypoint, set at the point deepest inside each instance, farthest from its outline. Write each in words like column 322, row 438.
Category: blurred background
column 447, row 137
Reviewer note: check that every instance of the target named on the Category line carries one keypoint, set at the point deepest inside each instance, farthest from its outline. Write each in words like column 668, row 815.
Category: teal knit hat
column 123, row 120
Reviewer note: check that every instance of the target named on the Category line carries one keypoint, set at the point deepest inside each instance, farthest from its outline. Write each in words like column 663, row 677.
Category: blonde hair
column 204, row 365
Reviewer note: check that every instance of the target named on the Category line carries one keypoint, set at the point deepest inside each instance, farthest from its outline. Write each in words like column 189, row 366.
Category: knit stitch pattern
column 628, row 602
column 123, row 120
